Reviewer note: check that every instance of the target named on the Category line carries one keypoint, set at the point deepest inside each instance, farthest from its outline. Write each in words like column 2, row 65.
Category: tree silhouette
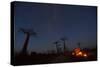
column 28, row 33
column 56, row 43
column 64, row 40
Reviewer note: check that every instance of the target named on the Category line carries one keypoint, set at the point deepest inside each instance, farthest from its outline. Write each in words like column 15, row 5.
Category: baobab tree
column 64, row 43
column 56, row 43
column 28, row 33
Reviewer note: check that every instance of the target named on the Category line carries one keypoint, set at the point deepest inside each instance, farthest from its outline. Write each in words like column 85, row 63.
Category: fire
column 79, row 53
column 85, row 55
column 77, row 50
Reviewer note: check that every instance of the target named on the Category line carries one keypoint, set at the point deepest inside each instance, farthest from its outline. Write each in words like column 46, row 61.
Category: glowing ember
column 73, row 53
column 85, row 55
column 77, row 50
column 79, row 53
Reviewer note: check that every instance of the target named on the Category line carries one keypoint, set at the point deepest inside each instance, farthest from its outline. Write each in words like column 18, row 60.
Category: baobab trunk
column 64, row 47
column 24, row 50
column 56, row 48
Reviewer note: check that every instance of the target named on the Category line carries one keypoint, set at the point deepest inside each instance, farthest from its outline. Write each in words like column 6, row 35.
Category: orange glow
column 85, row 55
column 73, row 53
column 79, row 53
column 77, row 50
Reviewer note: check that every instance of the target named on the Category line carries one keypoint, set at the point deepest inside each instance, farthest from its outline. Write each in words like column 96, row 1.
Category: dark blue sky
column 52, row 22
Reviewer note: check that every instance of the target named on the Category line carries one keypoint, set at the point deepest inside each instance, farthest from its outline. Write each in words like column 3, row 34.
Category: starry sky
column 51, row 22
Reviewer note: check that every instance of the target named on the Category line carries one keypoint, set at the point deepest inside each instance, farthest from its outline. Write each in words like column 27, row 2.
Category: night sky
column 52, row 22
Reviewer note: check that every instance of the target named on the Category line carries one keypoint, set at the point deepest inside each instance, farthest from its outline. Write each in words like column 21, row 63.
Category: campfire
column 77, row 52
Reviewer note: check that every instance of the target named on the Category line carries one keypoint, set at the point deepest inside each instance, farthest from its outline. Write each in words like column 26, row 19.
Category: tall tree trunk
column 24, row 50
column 57, row 48
column 64, row 47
